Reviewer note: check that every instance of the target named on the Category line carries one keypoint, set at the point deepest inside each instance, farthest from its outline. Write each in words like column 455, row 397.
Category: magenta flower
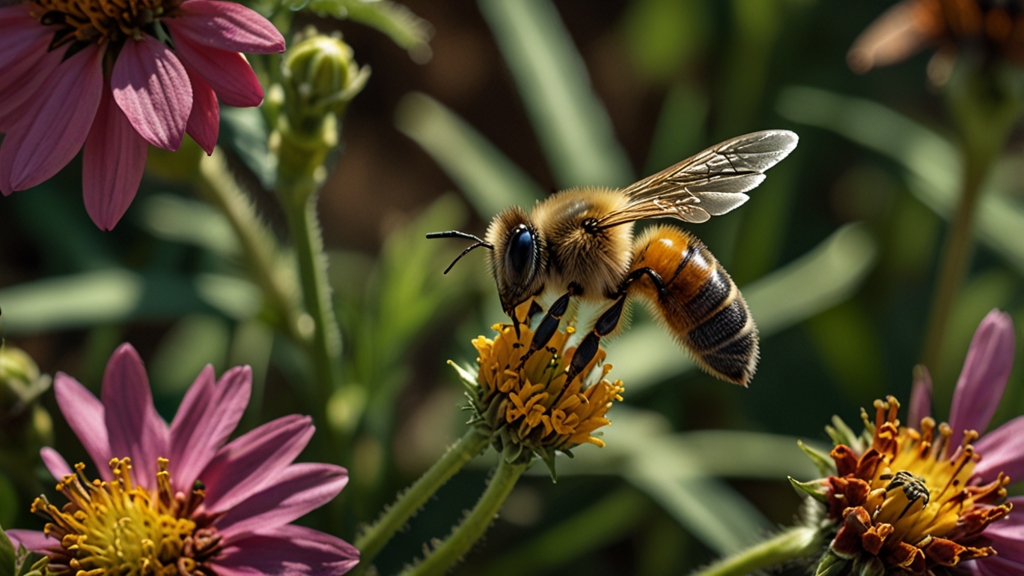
column 176, row 499
column 978, row 392
column 114, row 76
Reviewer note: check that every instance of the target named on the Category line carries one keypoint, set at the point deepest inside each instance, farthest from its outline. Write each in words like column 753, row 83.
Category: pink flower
column 202, row 505
column 114, row 76
column 975, row 399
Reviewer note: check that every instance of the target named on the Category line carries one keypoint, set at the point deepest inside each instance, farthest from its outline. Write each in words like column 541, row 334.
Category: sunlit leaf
column 571, row 123
column 933, row 165
column 94, row 298
column 179, row 219
column 822, row 278
column 489, row 180
column 399, row 23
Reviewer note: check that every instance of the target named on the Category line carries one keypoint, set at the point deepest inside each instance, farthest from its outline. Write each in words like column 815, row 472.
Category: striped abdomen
column 698, row 302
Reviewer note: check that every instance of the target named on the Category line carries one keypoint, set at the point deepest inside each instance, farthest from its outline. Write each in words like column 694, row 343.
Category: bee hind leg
column 607, row 322
column 588, row 348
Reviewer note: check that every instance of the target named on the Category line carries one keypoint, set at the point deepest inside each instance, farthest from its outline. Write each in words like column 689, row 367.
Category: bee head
column 517, row 258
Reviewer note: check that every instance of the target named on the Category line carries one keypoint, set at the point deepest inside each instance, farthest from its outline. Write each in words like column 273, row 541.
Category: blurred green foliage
column 835, row 254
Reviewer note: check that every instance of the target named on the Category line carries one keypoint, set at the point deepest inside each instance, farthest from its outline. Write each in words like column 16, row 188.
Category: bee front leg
column 549, row 324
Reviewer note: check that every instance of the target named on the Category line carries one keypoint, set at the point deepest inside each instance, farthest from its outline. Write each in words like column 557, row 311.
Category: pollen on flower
column 907, row 501
column 99, row 21
column 529, row 406
column 118, row 528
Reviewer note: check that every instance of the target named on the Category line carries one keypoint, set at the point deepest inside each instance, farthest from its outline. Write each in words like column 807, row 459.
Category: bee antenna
column 457, row 234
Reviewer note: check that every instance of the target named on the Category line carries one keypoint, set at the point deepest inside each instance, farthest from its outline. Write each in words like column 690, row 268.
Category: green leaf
column 572, row 125
column 244, row 130
column 831, row 565
column 85, row 300
column 490, row 181
column 933, row 166
column 7, row 557
column 187, row 221
column 822, row 278
column 391, row 18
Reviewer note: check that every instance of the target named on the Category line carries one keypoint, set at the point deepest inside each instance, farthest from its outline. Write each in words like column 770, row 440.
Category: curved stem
column 794, row 543
column 259, row 247
column 475, row 524
column 373, row 540
column 956, row 256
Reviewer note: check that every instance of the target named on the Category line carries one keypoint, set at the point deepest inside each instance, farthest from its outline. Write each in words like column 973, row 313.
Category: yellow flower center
column 117, row 528
column 908, row 499
column 530, row 403
column 99, row 21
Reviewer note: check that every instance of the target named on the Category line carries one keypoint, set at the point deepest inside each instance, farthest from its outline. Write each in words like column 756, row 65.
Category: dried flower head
column 993, row 27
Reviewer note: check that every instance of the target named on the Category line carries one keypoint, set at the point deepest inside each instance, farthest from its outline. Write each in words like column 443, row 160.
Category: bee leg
column 604, row 326
column 588, row 348
column 549, row 324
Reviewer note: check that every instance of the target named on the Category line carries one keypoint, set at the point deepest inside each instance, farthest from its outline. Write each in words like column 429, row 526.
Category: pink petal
column 112, row 164
column 1001, row 451
column 85, row 414
column 152, row 88
column 225, row 25
column 25, row 62
column 228, row 73
column 207, row 416
column 297, row 490
column 135, row 429
column 204, row 121
column 287, row 551
column 55, row 463
column 253, row 460
column 983, row 378
column 920, row 396
column 54, row 126
column 32, row 540
column 999, row 566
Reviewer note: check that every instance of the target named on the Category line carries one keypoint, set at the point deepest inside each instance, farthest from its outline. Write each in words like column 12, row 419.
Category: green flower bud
column 319, row 77
column 23, row 423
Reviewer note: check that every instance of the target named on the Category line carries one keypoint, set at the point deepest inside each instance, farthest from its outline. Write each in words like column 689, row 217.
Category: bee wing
column 707, row 184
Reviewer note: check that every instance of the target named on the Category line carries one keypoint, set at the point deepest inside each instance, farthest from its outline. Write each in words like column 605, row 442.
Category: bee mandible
column 579, row 244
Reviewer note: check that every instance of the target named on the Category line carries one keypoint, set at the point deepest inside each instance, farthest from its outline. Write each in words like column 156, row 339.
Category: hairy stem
column 475, row 524
column 259, row 247
column 794, row 543
column 410, row 501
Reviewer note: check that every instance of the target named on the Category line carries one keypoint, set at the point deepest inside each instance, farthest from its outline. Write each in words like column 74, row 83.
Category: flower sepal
column 817, row 489
column 831, row 564
column 822, row 461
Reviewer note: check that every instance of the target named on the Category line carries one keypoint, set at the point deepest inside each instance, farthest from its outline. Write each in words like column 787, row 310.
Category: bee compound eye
column 520, row 252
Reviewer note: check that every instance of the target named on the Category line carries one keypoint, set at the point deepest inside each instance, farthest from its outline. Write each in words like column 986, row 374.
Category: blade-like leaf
column 489, row 180
column 820, row 279
column 933, row 165
column 7, row 557
column 189, row 221
column 573, row 126
column 395, row 20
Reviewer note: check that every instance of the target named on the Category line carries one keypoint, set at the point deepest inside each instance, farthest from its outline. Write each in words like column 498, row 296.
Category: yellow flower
column 528, row 407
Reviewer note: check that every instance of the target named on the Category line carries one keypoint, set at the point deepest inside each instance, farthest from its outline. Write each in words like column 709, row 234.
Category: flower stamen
column 118, row 528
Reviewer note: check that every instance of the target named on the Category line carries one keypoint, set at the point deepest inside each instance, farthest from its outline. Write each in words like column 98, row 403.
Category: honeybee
column 579, row 244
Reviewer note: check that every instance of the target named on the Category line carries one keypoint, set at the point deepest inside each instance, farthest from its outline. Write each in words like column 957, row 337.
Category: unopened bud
column 319, row 77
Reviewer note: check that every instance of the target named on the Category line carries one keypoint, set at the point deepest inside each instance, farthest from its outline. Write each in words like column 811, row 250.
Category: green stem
column 374, row 539
column 259, row 247
column 299, row 198
column 473, row 527
column 794, row 543
column 956, row 255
